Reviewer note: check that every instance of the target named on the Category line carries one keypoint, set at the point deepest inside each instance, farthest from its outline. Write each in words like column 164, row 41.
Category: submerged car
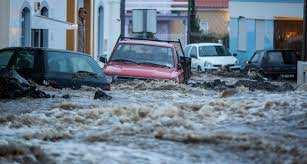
column 274, row 63
column 148, row 59
column 56, row 68
column 211, row 56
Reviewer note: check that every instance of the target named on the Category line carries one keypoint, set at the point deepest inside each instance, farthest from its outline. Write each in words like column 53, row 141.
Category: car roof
column 147, row 42
column 205, row 44
column 43, row 49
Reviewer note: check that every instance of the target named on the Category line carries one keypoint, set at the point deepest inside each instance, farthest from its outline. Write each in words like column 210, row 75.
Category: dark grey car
column 57, row 68
column 274, row 63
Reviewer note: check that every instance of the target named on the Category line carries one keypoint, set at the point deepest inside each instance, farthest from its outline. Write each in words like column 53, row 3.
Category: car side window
column 5, row 57
column 256, row 57
column 275, row 58
column 24, row 60
column 193, row 53
column 81, row 64
column 57, row 62
column 70, row 63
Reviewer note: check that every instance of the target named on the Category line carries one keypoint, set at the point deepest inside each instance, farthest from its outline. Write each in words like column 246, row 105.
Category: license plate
column 287, row 76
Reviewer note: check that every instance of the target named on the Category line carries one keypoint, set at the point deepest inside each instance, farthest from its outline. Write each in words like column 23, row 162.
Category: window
column 25, row 27
column 193, row 53
column 204, row 25
column 257, row 57
column 260, row 33
column 39, row 38
column 24, row 60
column 148, row 54
column 275, row 58
column 242, row 38
column 44, row 12
column 100, row 30
column 5, row 57
column 187, row 50
column 213, row 51
column 282, row 57
column 71, row 63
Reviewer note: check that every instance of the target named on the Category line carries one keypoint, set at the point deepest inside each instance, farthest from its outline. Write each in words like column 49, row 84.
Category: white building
column 54, row 24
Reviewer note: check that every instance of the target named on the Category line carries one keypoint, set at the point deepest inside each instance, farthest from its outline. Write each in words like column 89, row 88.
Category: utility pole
column 189, row 21
column 305, row 32
column 122, row 17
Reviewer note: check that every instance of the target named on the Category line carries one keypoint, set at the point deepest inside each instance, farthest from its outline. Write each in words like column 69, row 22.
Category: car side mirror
column 235, row 54
column 248, row 62
column 102, row 59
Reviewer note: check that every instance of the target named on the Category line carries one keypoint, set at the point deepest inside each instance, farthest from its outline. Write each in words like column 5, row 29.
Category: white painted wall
column 265, row 10
column 57, row 30
column 111, row 24
column 4, row 23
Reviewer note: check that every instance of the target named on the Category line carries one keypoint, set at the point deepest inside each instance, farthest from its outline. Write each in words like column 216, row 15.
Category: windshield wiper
column 124, row 60
column 154, row 64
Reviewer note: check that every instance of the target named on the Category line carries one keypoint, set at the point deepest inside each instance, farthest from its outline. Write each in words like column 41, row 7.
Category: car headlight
column 237, row 62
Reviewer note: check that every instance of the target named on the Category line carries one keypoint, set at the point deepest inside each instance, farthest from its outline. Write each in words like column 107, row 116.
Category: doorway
column 25, row 27
column 100, row 31
column 39, row 38
column 287, row 34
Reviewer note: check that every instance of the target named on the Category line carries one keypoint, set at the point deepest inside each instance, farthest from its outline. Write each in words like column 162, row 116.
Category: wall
column 217, row 20
column 111, row 24
column 12, row 22
column 243, row 56
column 252, row 10
column 4, row 23
column 266, row 9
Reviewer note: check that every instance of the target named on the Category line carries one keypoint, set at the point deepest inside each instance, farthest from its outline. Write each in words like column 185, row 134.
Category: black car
column 274, row 63
column 56, row 68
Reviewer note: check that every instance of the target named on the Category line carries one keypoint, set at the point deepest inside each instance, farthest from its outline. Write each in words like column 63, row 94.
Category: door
column 100, row 31
column 39, row 38
column 288, row 34
column 194, row 57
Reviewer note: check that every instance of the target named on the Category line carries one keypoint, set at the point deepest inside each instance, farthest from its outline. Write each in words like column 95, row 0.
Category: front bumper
column 220, row 67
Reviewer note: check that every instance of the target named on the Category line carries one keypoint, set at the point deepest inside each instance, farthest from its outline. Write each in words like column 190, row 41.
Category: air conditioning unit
column 37, row 6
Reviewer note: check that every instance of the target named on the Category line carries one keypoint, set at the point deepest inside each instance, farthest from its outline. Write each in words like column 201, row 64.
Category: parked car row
column 134, row 58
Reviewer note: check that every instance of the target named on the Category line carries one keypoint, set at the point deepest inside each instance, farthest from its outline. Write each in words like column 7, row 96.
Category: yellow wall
column 217, row 20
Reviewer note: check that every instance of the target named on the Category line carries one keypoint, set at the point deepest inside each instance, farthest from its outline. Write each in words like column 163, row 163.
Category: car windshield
column 66, row 63
column 144, row 54
column 5, row 57
column 213, row 51
column 279, row 57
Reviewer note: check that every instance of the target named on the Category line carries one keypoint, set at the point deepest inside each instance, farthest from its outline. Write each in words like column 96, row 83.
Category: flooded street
column 157, row 122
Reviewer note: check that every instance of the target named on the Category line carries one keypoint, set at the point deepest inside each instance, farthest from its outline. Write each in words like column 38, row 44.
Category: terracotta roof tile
column 208, row 3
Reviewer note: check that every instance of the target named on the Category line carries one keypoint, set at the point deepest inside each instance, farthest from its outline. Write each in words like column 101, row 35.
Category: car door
column 187, row 51
column 194, row 57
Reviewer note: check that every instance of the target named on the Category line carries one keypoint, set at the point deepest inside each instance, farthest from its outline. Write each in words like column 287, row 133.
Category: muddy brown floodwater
column 156, row 122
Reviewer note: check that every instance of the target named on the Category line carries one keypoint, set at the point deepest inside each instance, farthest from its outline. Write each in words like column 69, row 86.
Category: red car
column 148, row 59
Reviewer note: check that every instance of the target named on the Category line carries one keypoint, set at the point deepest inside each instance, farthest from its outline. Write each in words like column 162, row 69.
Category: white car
column 211, row 56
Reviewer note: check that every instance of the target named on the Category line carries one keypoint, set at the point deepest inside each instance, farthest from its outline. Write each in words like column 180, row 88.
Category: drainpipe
column 122, row 17
column 305, row 32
